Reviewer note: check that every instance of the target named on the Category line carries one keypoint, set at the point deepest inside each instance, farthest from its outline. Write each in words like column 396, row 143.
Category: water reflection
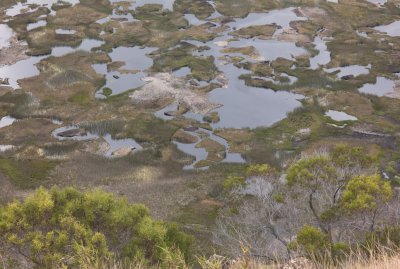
column 134, row 60
column 351, row 70
column 6, row 121
column 201, row 154
column 27, row 68
column 383, row 86
column 167, row 4
column 5, row 35
column 339, row 116
column 392, row 29
column 323, row 57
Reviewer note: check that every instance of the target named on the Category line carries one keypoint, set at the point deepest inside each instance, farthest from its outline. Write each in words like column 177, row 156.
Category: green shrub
column 232, row 182
column 311, row 241
column 259, row 169
column 107, row 91
column 316, row 244
column 52, row 228
column 364, row 192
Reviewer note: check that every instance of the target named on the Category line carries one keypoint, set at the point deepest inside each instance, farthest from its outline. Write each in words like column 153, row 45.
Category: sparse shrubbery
column 322, row 206
column 325, row 207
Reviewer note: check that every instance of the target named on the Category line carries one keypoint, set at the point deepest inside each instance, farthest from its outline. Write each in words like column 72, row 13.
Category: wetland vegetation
column 155, row 131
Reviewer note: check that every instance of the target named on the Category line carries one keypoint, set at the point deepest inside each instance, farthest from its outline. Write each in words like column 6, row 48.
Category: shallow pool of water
column 382, row 87
column 215, row 14
column 16, row 9
column 5, row 34
column 244, row 106
column 193, row 20
column 167, row 4
column 392, row 29
column 19, row 7
column 353, row 70
column 118, row 82
column 86, row 45
column 250, row 107
column 281, row 17
column 182, row 72
column 198, row 153
column 65, row 32
column 135, row 58
column 161, row 113
column 201, row 154
column 36, row 25
column 340, row 116
column 27, row 68
column 323, row 57
column 6, row 121
column 116, row 144
column 22, row 69
column 377, row 2
column 136, row 61
column 271, row 49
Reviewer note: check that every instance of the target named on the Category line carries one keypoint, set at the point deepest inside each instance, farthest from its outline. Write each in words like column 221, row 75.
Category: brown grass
column 382, row 260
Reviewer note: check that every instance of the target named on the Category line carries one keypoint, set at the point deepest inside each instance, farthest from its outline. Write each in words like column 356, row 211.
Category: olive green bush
column 53, row 228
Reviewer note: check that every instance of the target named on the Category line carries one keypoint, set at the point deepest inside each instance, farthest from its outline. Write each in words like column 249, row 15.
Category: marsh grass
column 68, row 77
column 150, row 129
column 27, row 173
column 104, row 127
column 57, row 149
column 22, row 104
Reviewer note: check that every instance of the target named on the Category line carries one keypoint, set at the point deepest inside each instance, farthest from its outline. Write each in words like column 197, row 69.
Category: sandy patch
column 165, row 86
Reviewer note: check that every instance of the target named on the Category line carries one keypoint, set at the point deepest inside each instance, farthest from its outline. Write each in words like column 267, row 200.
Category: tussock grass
column 381, row 259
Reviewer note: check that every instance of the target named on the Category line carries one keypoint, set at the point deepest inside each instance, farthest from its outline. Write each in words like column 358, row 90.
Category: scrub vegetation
column 228, row 134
